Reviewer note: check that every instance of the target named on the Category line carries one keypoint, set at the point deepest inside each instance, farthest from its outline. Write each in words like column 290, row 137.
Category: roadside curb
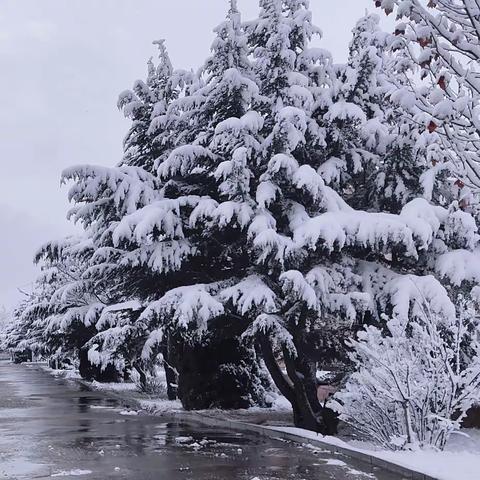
column 270, row 432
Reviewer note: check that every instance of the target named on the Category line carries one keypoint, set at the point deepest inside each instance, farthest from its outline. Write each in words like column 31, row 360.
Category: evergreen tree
column 57, row 319
column 215, row 166
column 149, row 100
column 4, row 318
column 179, row 228
column 327, row 267
column 103, row 196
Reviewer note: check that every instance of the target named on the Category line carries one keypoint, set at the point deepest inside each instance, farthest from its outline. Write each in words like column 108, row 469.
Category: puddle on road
column 22, row 467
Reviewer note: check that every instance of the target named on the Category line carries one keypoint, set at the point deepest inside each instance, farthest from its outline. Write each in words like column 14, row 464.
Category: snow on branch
column 160, row 219
column 96, row 188
column 272, row 326
column 184, row 160
column 409, row 294
column 251, row 293
column 192, row 305
column 378, row 232
column 459, row 266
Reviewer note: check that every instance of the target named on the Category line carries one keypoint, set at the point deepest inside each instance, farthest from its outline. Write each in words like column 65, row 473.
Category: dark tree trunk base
column 219, row 373
column 214, row 377
column 325, row 422
column 91, row 372
column 299, row 387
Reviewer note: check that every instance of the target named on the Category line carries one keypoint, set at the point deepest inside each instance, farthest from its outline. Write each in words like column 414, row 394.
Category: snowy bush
column 151, row 383
column 442, row 38
column 415, row 382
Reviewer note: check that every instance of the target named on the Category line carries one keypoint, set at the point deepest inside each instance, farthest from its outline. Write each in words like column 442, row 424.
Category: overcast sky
column 62, row 65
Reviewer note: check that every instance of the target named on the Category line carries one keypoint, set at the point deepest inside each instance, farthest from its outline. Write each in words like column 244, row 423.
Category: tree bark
column 281, row 381
column 300, row 389
column 142, row 377
column 170, row 372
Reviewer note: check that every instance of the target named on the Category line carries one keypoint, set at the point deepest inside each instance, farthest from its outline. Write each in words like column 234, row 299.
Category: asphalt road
column 52, row 428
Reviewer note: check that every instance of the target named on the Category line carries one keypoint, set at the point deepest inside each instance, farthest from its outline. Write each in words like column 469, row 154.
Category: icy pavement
column 50, row 428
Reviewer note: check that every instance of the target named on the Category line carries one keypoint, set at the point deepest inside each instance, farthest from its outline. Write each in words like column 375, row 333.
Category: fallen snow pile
column 72, row 473
column 160, row 406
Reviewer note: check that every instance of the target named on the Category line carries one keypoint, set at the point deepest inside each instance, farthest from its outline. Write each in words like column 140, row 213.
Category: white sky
column 62, row 65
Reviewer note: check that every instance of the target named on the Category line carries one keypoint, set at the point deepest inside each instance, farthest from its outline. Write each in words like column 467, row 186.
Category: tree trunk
column 172, row 381
column 300, row 389
column 170, row 372
column 142, row 377
column 85, row 367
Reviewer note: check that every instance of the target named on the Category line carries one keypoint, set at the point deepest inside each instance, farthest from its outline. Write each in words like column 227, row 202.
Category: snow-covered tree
column 351, row 115
column 56, row 319
column 380, row 157
column 68, row 301
column 209, row 182
column 415, row 382
column 181, row 227
column 149, row 100
column 443, row 39
column 4, row 318
column 103, row 197
column 325, row 266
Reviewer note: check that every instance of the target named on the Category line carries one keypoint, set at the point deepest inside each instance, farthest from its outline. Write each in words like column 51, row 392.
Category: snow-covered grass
column 128, row 390
column 459, row 461
column 161, row 406
column 115, row 387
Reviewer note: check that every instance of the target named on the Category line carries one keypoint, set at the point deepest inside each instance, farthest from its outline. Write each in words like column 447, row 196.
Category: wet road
column 51, row 428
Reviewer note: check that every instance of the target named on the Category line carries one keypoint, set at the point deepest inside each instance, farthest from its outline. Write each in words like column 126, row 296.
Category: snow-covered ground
column 159, row 406
column 129, row 390
column 460, row 460
column 115, row 387
column 70, row 374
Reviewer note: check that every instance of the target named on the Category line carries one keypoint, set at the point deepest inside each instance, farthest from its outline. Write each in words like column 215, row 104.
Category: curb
column 270, row 432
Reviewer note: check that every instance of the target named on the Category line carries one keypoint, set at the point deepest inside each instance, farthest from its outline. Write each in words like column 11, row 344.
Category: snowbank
column 460, row 460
